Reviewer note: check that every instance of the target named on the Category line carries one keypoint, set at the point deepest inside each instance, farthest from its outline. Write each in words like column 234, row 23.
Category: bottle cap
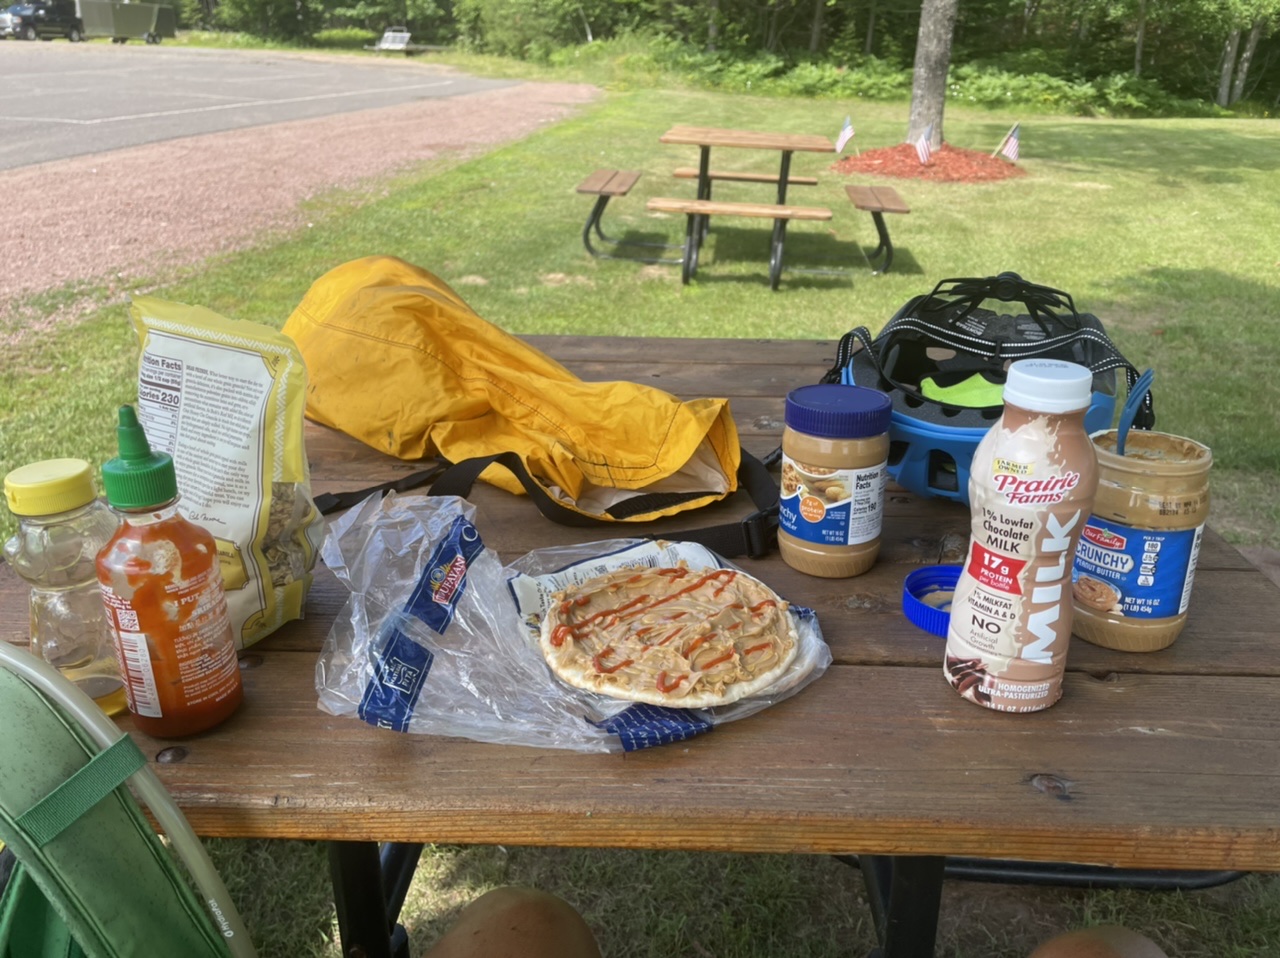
column 932, row 580
column 834, row 411
column 137, row 478
column 49, row 487
column 1048, row 385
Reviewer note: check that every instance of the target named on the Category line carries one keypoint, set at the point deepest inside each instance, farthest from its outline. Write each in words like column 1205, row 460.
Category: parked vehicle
column 6, row 23
column 121, row 20
column 46, row 19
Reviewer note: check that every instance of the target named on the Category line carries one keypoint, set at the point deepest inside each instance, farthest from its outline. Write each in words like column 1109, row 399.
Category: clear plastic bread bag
column 438, row 637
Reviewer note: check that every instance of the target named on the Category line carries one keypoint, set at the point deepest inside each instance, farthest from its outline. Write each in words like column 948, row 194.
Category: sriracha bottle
column 164, row 597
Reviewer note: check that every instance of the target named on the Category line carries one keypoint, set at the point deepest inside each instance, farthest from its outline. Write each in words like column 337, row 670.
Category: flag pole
column 1004, row 141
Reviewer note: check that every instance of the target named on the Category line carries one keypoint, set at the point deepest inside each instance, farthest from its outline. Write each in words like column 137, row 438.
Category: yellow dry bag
column 398, row 360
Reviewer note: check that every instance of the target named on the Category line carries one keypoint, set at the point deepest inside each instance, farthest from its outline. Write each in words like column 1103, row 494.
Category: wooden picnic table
column 700, row 210
column 705, row 137
column 1168, row 760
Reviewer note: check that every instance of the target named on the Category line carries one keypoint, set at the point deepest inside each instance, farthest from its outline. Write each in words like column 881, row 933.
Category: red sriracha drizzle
column 637, row 606
column 597, row 661
column 663, row 686
column 717, row 661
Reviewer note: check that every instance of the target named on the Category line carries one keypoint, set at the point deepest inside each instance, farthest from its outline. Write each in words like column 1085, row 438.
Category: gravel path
column 179, row 201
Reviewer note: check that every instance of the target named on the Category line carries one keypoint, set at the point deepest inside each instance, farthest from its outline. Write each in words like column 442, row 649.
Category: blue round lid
column 834, row 411
column 920, row 584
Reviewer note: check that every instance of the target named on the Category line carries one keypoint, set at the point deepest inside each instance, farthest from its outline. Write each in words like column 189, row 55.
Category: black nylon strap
column 753, row 536
column 328, row 502
column 992, row 349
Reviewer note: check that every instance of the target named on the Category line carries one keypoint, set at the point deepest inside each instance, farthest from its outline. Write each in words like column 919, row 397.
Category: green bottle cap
column 137, row 478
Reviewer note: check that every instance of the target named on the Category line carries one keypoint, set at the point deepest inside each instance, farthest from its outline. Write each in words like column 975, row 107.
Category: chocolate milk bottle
column 1031, row 490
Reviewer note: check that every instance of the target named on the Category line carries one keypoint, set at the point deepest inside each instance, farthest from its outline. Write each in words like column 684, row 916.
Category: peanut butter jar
column 835, row 450
column 1136, row 561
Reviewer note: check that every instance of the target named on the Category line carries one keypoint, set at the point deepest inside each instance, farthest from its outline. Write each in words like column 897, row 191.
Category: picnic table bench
column 604, row 185
column 698, row 211
column 396, row 40
column 740, row 176
column 878, row 200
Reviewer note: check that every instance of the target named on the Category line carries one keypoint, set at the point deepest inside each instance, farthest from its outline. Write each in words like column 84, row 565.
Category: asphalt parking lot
column 62, row 99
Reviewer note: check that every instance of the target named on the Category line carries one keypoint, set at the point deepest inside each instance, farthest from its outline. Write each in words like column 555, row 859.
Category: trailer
column 123, row 21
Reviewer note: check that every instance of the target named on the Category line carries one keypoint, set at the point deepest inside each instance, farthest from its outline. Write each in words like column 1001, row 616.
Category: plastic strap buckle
column 760, row 531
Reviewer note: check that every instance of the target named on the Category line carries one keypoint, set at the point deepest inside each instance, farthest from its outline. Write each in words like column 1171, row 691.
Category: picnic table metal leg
column 905, row 893
column 775, row 252
column 704, row 190
column 593, row 222
column 885, row 246
column 593, row 225
column 366, row 923
column 689, row 265
column 784, row 174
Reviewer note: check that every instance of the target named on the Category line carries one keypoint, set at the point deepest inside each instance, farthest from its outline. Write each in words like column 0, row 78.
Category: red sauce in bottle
column 164, row 598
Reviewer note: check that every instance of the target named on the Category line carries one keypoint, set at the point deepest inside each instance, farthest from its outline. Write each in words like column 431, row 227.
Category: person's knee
column 1104, row 941
column 520, row 922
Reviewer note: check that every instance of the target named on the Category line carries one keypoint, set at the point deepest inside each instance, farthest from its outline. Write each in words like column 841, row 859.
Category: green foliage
column 1119, row 94
column 272, row 19
column 426, row 19
column 197, row 14
column 641, row 59
column 224, row 40
column 344, row 38
column 1062, row 56
column 535, row 29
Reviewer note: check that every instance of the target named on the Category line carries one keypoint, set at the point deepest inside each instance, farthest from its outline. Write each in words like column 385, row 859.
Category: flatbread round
column 675, row 636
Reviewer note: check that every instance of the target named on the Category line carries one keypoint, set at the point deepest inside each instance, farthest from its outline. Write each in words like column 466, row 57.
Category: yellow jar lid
column 49, row 487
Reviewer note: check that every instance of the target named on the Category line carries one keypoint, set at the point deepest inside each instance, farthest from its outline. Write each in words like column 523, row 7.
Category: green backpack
column 92, row 877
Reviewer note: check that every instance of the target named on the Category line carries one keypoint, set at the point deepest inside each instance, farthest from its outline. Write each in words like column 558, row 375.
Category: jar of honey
column 61, row 526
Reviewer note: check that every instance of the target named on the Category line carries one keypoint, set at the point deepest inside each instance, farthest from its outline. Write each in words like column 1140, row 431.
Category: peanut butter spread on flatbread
column 674, row 636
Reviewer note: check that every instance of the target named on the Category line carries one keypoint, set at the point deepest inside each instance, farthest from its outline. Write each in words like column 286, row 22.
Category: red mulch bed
column 949, row 164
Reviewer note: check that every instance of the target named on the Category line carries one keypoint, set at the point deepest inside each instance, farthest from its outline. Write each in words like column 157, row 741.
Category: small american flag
column 1009, row 147
column 846, row 134
column 922, row 145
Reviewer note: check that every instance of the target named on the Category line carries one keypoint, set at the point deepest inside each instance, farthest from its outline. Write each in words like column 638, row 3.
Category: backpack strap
column 328, row 502
column 859, row 339
column 752, row 536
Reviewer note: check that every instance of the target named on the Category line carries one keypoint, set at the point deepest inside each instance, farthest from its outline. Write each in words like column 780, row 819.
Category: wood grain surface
column 747, row 139
column 1163, row 760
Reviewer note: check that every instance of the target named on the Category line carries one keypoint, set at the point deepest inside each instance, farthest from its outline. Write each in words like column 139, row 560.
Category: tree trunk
column 929, row 77
column 1228, row 65
column 1246, row 58
column 1029, row 10
column 1141, row 36
column 815, row 33
column 871, row 29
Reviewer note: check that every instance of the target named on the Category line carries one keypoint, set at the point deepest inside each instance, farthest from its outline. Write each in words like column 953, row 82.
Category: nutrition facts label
column 209, row 402
column 160, row 399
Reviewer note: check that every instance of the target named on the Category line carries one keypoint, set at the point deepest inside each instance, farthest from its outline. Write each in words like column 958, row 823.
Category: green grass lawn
column 1165, row 229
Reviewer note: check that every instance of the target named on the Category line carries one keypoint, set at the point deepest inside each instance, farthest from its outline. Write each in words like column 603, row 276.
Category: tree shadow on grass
column 1205, row 155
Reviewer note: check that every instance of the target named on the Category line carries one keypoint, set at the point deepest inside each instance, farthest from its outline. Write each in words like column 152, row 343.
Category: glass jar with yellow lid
column 62, row 525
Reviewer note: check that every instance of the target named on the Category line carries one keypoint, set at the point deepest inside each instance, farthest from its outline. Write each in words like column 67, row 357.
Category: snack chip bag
column 225, row 399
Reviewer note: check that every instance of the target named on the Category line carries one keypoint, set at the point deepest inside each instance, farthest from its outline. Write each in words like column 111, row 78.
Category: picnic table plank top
column 747, row 139
column 1164, row 760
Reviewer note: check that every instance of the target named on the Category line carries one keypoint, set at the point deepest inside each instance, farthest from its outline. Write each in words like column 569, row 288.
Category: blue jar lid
column 922, row 583
column 833, row 411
